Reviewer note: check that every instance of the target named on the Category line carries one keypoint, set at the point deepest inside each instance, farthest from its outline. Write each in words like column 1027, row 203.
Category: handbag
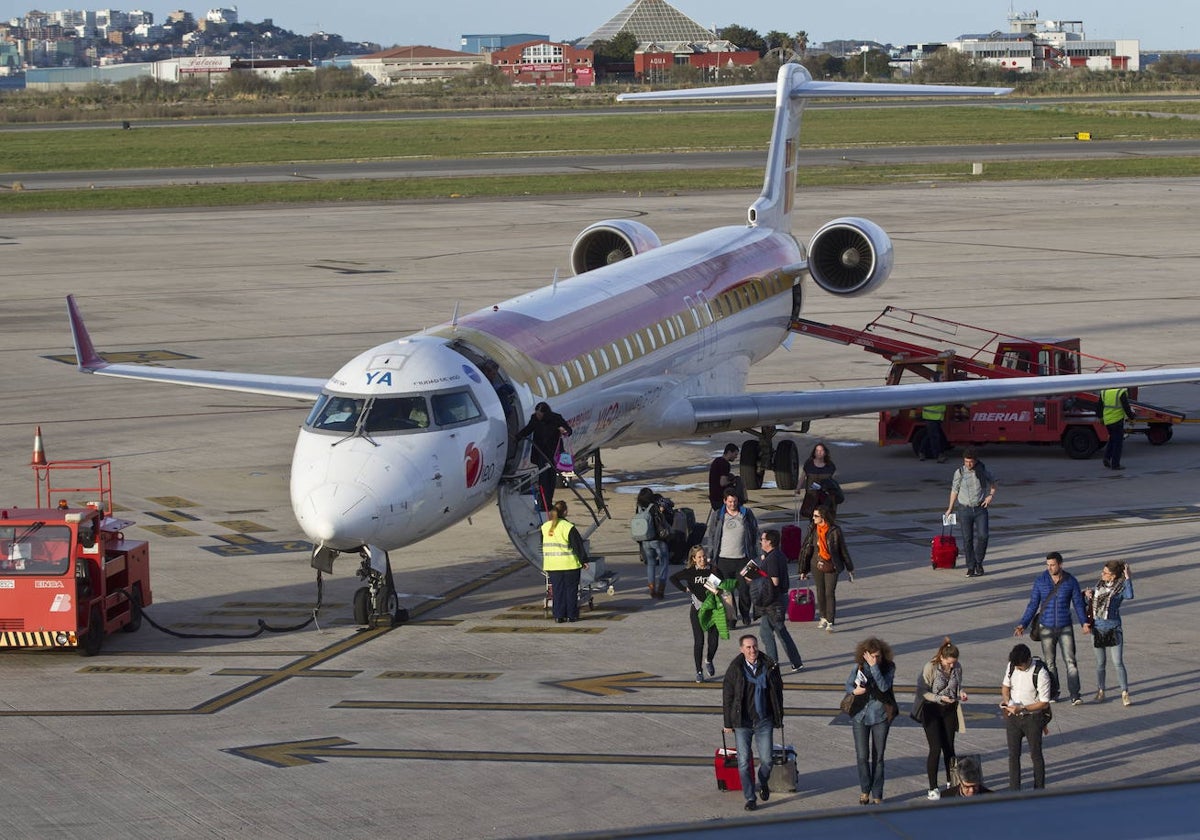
column 853, row 703
column 1105, row 638
column 918, row 708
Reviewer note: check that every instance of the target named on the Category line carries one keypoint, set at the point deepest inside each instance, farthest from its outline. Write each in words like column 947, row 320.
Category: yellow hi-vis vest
column 933, row 412
column 1110, row 399
column 556, row 548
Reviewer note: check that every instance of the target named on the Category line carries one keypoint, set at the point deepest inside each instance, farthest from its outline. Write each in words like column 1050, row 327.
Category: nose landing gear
column 377, row 604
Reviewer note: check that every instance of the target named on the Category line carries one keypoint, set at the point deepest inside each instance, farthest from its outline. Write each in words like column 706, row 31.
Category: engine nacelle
column 850, row 257
column 610, row 241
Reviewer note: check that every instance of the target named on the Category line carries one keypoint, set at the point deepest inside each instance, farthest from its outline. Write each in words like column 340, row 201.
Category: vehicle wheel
column 918, row 441
column 135, row 611
column 751, row 477
column 398, row 614
column 787, row 465
column 362, row 605
column 1080, row 442
column 90, row 644
column 1159, row 433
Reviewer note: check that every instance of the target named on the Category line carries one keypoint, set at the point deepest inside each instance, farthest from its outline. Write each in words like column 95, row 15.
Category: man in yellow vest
column 933, row 443
column 1114, row 410
column 564, row 556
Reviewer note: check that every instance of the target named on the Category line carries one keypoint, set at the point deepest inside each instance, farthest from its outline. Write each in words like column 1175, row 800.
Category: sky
column 1158, row 24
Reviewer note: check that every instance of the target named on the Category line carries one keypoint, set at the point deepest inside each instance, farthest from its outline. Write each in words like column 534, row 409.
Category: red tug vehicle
column 68, row 575
column 910, row 340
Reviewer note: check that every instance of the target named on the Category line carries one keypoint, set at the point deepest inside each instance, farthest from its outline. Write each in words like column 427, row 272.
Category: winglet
column 86, row 357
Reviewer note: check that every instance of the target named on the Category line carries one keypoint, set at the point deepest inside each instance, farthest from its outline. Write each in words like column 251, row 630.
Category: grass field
column 200, row 145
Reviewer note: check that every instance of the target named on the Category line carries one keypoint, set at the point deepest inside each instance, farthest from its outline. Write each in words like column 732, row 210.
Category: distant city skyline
column 1157, row 24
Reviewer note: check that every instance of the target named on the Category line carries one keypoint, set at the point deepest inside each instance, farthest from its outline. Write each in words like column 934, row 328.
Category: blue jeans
column 658, row 560
column 767, row 630
column 974, row 524
column 1116, row 442
column 1052, row 637
column 869, row 744
column 760, row 734
column 1117, row 652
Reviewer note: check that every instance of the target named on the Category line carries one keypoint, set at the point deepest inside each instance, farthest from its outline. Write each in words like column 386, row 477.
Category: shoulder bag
column 1035, row 626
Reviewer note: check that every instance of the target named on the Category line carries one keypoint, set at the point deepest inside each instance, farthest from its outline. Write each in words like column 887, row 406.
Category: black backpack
column 1041, row 667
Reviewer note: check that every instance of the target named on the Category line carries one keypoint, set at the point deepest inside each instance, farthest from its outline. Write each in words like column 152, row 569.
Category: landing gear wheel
column 787, row 465
column 1080, row 442
column 89, row 645
column 135, row 611
column 752, row 477
column 1159, row 433
column 393, row 612
column 362, row 605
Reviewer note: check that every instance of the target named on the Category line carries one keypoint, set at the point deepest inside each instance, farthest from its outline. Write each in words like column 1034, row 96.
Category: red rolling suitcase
column 943, row 551
column 726, row 767
column 802, row 604
column 791, row 538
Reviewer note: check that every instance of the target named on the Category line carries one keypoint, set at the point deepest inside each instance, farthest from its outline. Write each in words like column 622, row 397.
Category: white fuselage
column 615, row 351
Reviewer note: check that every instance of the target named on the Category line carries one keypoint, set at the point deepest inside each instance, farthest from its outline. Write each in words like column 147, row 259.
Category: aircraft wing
column 89, row 361
column 742, row 411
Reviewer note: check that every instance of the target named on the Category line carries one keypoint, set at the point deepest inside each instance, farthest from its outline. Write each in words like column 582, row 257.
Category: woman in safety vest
column 563, row 557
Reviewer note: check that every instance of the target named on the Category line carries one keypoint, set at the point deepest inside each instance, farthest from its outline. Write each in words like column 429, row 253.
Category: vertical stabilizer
column 773, row 208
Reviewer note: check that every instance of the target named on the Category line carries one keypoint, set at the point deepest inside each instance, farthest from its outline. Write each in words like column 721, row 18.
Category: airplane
column 646, row 342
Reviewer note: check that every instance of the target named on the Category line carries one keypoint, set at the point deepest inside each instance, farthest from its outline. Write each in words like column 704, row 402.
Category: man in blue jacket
column 1055, row 591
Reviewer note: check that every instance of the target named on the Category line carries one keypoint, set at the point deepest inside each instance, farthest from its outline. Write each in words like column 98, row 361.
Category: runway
column 479, row 718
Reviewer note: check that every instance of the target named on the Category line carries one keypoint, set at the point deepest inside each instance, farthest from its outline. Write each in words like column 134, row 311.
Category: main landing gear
column 782, row 458
column 377, row 604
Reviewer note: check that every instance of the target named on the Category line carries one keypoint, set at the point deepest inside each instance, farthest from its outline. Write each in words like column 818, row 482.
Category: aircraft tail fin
column 794, row 85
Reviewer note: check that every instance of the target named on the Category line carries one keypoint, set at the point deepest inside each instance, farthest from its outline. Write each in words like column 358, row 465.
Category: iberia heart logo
column 473, row 462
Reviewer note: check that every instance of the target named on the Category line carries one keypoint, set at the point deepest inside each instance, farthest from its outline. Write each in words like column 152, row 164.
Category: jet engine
column 849, row 257
column 610, row 241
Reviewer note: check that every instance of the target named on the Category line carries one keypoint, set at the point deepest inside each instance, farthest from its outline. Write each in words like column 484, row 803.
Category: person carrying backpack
column 1025, row 703
column 651, row 524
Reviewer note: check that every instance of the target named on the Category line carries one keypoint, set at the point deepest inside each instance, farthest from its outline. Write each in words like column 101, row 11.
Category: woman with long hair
column 564, row 556
column 1104, row 605
column 874, row 671
column 940, row 684
column 817, row 486
column 693, row 579
column 825, row 556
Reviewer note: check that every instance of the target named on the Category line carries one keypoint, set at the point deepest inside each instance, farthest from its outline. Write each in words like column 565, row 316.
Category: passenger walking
column 874, row 671
column 693, row 579
column 547, row 430
column 1104, row 601
column 971, row 492
column 720, row 476
column 564, row 556
column 752, row 704
column 1025, row 702
column 940, row 684
column 825, row 556
column 1055, row 592
column 774, row 615
column 732, row 538
column 817, row 486
column 655, row 553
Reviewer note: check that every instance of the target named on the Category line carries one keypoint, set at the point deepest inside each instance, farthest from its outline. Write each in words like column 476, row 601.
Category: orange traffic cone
column 39, row 452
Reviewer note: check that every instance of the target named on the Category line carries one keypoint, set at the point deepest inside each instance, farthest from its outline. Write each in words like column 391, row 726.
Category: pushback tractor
column 68, row 575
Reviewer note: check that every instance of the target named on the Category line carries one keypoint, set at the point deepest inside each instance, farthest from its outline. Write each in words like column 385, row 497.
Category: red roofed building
column 546, row 63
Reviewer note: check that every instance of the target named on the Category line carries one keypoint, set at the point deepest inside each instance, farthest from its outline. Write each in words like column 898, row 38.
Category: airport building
column 543, row 62
column 417, row 64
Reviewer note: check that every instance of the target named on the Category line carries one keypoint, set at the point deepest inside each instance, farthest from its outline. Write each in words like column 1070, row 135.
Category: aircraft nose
column 342, row 516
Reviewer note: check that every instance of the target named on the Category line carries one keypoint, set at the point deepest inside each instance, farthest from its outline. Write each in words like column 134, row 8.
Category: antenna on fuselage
column 554, row 282
column 454, row 317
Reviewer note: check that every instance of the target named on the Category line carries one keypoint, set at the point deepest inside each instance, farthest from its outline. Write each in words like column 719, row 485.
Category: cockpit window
column 457, row 407
column 382, row 414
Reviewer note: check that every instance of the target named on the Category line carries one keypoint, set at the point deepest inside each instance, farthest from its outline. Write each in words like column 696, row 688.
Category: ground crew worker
column 564, row 555
column 933, row 445
column 1115, row 409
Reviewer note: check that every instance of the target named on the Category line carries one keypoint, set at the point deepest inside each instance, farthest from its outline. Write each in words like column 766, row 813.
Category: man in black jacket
column 752, row 702
column 547, row 428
